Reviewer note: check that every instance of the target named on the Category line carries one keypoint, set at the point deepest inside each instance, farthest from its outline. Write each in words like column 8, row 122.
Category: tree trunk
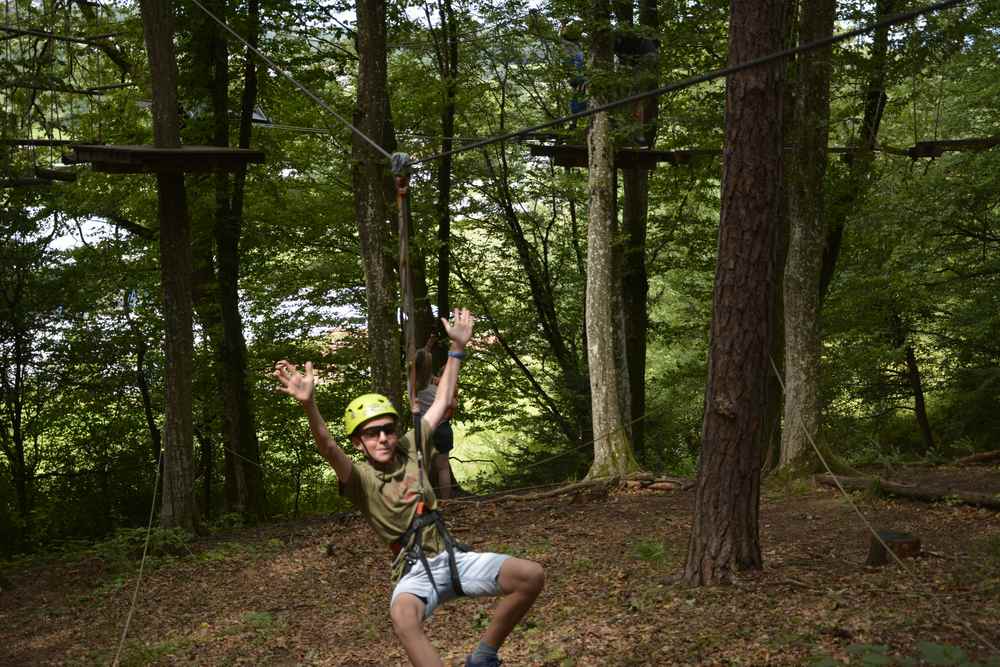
column 246, row 429
column 852, row 192
column 724, row 535
column 178, row 505
column 805, row 197
column 612, row 449
column 919, row 406
column 635, row 290
column 643, row 72
column 448, row 70
column 369, row 177
column 243, row 483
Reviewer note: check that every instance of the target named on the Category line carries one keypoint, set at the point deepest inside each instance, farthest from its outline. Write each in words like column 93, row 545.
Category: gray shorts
column 478, row 572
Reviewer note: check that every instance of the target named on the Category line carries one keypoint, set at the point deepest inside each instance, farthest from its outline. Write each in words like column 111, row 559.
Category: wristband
column 456, row 355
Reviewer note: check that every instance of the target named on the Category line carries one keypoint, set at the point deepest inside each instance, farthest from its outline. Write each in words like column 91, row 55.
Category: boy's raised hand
column 297, row 385
column 461, row 331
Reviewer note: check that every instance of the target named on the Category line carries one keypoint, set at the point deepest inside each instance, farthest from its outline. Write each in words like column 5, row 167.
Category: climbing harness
column 409, row 545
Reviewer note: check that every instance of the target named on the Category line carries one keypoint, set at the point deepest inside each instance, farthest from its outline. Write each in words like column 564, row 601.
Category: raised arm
column 301, row 387
column 460, row 332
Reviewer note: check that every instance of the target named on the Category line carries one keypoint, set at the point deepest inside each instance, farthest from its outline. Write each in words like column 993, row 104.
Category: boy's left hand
column 461, row 331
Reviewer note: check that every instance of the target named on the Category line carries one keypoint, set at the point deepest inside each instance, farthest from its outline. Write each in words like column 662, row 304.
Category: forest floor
column 315, row 592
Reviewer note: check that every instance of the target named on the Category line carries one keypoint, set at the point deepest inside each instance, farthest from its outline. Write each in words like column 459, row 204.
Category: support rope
column 864, row 519
column 315, row 98
column 142, row 563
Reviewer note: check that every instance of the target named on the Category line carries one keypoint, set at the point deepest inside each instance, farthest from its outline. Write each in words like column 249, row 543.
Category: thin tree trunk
column 807, row 224
column 919, row 405
column 178, row 507
column 369, row 175
column 643, row 70
column 724, row 535
column 255, row 501
column 448, row 70
column 853, row 191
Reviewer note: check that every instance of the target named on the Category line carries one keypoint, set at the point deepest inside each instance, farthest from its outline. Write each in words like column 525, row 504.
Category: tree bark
column 369, row 176
column 178, row 507
column 724, row 535
column 805, row 198
column 612, row 449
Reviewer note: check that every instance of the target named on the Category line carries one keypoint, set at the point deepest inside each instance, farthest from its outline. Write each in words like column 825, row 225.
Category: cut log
column 925, row 493
column 663, row 486
column 903, row 545
column 982, row 458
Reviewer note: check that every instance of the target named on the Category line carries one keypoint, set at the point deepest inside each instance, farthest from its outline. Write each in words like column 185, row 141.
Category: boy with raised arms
column 392, row 490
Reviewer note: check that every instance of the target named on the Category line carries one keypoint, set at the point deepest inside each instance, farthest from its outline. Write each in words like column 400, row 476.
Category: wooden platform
column 625, row 158
column 142, row 159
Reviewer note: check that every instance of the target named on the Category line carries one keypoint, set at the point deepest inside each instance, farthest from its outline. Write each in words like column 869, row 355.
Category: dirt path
column 274, row 596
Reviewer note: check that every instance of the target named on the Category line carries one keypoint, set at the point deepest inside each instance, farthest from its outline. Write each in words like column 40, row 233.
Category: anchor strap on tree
column 409, row 545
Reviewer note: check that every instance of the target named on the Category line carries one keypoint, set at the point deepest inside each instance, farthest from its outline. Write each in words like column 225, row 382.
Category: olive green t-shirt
column 388, row 497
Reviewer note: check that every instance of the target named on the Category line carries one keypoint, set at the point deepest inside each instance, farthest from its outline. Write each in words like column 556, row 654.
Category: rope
column 326, row 107
column 864, row 519
column 701, row 78
column 142, row 563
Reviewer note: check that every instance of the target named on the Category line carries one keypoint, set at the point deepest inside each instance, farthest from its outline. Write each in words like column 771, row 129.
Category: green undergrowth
column 927, row 653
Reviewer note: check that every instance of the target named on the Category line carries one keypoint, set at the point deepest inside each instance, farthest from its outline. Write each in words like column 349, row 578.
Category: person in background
column 444, row 437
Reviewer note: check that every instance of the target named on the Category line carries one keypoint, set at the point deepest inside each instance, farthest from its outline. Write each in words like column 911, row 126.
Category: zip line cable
column 656, row 92
column 315, row 98
column 701, row 78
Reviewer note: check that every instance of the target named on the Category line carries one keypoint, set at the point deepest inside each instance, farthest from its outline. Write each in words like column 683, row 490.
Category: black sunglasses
column 373, row 431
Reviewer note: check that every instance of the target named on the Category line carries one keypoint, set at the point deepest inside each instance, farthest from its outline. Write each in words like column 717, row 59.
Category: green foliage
column 258, row 620
column 127, row 545
column 928, row 653
column 650, row 551
column 136, row 654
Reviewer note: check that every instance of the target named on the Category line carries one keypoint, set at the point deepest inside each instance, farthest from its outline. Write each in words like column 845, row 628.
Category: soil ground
column 315, row 592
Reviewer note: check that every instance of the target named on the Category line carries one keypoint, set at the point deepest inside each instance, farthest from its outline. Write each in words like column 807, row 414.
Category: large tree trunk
column 369, row 176
column 178, row 506
column 724, row 536
column 805, row 197
column 612, row 449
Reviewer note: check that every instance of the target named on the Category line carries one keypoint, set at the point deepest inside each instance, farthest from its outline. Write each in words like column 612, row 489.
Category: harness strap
column 411, row 545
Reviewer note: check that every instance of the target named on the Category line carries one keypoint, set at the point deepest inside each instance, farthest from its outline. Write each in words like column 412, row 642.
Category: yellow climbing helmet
column 366, row 407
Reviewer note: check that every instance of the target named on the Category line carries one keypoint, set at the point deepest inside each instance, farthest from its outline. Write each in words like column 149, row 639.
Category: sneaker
column 482, row 662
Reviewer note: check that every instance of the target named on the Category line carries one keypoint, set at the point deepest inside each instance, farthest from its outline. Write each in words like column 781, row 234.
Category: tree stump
column 903, row 545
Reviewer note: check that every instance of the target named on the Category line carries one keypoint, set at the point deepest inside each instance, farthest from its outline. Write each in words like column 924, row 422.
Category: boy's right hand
column 297, row 385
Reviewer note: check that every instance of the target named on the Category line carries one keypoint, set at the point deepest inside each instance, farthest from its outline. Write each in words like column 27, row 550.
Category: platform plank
column 139, row 159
